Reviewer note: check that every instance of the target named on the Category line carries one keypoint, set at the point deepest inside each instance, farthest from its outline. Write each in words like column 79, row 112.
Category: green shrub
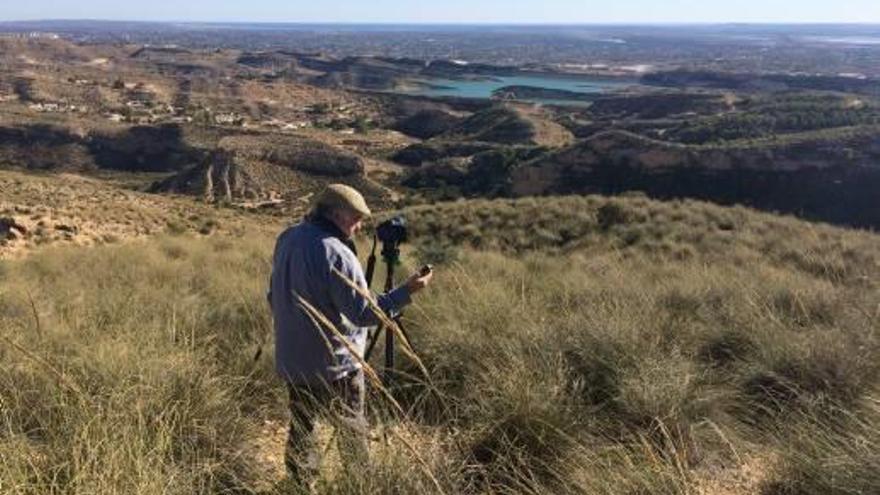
column 611, row 214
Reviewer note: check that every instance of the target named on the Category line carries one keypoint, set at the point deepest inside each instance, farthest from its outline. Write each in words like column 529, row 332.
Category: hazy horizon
column 494, row 12
column 441, row 23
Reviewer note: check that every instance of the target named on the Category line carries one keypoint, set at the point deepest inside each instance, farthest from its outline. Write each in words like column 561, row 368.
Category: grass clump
column 817, row 459
column 114, row 382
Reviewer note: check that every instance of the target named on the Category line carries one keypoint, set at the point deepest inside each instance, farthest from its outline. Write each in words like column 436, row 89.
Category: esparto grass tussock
column 575, row 345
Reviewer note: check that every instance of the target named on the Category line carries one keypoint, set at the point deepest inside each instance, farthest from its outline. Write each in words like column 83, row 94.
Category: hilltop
column 510, row 124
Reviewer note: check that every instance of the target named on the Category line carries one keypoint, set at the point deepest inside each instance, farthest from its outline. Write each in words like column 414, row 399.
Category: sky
column 450, row 11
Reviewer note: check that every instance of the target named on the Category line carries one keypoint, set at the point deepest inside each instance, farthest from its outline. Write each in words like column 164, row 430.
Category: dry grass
column 131, row 370
column 75, row 210
column 591, row 346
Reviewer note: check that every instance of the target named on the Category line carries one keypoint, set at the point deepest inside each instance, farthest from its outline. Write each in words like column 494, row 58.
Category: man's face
column 348, row 221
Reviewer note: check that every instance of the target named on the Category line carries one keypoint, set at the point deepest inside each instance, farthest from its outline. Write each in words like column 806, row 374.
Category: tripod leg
column 371, row 265
column 389, row 335
column 389, row 355
column 373, row 338
column 403, row 332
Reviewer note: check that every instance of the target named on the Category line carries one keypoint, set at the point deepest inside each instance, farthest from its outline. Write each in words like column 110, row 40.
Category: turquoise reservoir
column 483, row 88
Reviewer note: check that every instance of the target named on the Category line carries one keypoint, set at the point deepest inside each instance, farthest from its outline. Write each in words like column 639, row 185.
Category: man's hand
column 420, row 280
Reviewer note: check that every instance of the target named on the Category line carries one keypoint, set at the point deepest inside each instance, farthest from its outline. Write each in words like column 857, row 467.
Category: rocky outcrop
column 294, row 153
column 312, row 157
column 834, row 180
column 257, row 168
column 10, row 229
column 217, row 179
column 484, row 174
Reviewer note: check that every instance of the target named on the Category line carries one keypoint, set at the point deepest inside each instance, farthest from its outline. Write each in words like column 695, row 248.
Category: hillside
column 260, row 168
column 758, row 82
column 660, row 105
column 829, row 178
column 153, row 85
column 588, row 345
column 82, row 147
column 509, row 124
column 425, row 124
column 67, row 210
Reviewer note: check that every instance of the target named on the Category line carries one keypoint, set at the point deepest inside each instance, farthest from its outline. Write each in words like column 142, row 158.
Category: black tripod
column 391, row 257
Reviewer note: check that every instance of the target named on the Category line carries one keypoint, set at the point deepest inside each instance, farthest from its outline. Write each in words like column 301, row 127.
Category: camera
column 392, row 231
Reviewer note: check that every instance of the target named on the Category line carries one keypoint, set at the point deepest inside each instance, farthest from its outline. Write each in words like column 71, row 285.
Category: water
column 484, row 88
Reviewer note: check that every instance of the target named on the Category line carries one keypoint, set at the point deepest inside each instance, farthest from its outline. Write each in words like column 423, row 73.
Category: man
column 319, row 368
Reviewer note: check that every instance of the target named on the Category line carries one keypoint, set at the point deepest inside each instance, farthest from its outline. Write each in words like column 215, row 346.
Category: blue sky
column 442, row 11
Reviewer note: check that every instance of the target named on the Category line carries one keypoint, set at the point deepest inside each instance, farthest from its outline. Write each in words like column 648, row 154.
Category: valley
column 263, row 128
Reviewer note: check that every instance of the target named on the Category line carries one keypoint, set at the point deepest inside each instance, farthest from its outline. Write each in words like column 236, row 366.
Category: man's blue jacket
column 305, row 351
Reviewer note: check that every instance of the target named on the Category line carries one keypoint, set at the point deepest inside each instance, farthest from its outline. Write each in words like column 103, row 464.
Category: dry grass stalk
column 47, row 365
column 374, row 378
column 386, row 321
column 315, row 314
